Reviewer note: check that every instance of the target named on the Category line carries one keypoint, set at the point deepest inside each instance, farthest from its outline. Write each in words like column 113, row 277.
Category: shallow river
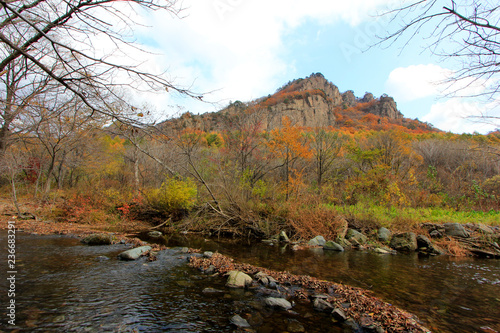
column 63, row 286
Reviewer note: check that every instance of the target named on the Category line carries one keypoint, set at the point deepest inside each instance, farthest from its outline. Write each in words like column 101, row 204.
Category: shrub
column 175, row 197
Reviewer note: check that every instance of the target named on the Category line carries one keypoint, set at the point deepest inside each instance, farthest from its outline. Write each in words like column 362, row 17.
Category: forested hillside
column 300, row 160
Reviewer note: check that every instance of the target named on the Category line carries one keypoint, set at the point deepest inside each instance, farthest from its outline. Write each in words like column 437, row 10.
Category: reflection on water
column 65, row 286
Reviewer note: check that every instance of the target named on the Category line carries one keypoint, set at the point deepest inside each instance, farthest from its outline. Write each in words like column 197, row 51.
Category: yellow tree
column 289, row 144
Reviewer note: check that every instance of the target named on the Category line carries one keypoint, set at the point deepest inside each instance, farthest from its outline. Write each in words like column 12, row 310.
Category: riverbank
column 455, row 239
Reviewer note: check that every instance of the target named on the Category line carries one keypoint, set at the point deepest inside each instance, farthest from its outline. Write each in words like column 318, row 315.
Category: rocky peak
column 318, row 81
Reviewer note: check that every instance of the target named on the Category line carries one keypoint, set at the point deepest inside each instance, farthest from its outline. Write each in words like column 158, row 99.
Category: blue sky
column 241, row 50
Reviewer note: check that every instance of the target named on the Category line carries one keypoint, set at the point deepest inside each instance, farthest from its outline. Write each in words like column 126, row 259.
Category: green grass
column 391, row 216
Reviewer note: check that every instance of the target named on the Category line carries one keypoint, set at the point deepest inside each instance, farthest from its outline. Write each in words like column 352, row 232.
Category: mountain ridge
column 307, row 102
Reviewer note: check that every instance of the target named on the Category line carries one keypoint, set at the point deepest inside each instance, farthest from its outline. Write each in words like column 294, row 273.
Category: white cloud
column 235, row 47
column 459, row 116
column 416, row 81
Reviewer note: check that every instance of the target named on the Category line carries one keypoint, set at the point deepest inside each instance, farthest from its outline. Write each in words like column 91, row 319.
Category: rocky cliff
column 309, row 102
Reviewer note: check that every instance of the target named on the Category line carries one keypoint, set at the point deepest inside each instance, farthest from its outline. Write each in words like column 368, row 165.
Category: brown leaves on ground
column 363, row 307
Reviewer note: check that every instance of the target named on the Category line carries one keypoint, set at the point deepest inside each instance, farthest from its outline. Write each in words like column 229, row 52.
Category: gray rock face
column 238, row 279
column 384, row 234
column 405, row 242
column 317, row 241
column 455, row 230
column 279, row 303
column 98, row 239
column 332, row 246
column 134, row 254
column 240, row 322
column 356, row 237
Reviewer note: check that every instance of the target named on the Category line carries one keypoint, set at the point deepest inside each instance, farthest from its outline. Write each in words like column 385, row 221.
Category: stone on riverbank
column 384, row 234
column 155, row 234
column 98, row 239
column 425, row 245
column 406, row 242
column 455, row 230
column 279, row 303
column 317, row 241
column 332, row 246
column 134, row 254
column 238, row 279
column 356, row 237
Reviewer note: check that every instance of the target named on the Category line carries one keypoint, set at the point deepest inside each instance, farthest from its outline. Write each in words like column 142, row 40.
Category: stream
column 64, row 286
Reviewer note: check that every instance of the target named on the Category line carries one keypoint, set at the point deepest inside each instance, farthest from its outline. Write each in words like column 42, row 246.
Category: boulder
column 238, row 279
column 484, row 229
column 425, row 245
column 455, row 230
column 342, row 242
column 356, row 237
column 279, row 303
column 239, row 322
column 317, row 241
column 133, row 254
column 384, row 234
column 208, row 254
column 332, row 246
column 405, row 242
column 98, row 239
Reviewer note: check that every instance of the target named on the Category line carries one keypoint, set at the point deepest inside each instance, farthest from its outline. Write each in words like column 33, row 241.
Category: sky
column 241, row 50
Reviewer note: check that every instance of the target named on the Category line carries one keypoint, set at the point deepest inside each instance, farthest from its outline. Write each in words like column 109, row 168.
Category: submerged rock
column 322, row 305
column 317, row 241
column 405, row 242
column 240, row 322
column 238, row 279
column 332, row 246
column 134, row 254
column 98, row 239
column 279, row 303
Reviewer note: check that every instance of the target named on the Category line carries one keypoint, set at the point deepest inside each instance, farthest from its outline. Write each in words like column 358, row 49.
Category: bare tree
column 467, row 32
column 56, row 39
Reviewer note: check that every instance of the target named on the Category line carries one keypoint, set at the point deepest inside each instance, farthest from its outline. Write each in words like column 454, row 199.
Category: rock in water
column 98, row 239
column 133, row 254
column 455, row 230
column 317, row 241
column 405, row 242
column 332, row 246
column 279, row 303
column 240, row 322
column 238, row 279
